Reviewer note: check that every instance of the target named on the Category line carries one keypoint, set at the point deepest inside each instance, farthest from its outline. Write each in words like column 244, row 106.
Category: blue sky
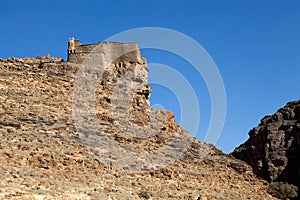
column 255, row 44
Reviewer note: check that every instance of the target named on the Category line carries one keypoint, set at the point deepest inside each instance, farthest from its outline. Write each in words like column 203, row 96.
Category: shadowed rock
column 273, row 149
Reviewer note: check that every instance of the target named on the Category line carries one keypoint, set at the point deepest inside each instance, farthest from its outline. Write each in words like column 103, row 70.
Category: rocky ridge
column 44, row 156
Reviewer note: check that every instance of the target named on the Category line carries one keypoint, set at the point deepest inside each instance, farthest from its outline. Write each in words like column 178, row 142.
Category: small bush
column 283, row 190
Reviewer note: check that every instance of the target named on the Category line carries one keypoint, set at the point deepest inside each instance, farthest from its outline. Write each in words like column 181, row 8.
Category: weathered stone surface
column 273, row 149
column 115, row 51
column 43, row 154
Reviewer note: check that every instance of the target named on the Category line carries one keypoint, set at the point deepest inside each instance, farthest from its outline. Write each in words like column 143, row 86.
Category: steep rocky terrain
column 51, row 148
column 273, row 149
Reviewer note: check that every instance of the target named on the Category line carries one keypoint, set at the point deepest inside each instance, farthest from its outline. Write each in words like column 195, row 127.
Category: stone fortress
column 101, row 51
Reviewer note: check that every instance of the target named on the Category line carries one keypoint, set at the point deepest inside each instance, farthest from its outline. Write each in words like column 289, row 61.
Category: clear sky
column 255, row 44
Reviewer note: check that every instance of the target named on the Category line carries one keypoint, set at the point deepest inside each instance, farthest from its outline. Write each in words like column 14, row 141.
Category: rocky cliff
column 273, row 149
column 52, row 148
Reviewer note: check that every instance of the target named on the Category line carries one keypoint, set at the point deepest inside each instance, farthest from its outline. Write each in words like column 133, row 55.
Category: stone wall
column 105, row 52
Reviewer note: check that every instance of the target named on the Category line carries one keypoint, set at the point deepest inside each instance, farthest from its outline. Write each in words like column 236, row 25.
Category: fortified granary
column 102, row 51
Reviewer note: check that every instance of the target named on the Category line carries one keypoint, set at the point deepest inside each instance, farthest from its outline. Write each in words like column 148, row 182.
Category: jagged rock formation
column 273, row 149
column 50, row 148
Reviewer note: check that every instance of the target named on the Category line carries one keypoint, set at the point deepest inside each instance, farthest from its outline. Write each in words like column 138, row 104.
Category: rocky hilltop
column 68, row 131
column 273, row 149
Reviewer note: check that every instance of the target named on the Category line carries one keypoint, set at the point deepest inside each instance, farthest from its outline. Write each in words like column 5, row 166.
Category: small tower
column 71, row 45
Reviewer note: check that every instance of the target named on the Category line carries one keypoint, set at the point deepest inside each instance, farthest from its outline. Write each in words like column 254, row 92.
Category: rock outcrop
column 51, row 148
column 273, row 149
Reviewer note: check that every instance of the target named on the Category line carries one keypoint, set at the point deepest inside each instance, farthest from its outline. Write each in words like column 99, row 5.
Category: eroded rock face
column 273, row 149
column 44, row 156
